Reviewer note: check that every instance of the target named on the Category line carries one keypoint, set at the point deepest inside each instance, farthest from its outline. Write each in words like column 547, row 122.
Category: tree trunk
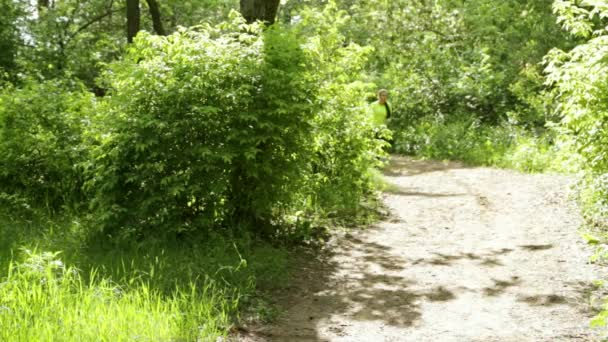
column 263, row 10
column 155, row 13
column 43, row 3
column 133, row 16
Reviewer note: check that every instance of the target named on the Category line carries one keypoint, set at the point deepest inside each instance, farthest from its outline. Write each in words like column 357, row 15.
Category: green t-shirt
column 378, row 113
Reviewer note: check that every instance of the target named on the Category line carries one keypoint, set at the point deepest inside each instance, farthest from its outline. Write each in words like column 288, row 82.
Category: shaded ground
column 467, row 254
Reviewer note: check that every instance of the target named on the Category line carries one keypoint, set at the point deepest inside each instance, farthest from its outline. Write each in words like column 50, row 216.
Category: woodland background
column 160, row 160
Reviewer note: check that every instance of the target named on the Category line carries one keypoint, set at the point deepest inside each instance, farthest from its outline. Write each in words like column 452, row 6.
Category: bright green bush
column 594, row 199
column 345, row 145
column 580, row 90
column 463, row 139
column 481, row 144
column 226, row 126
column 345, row 150
column 534, row 108
column 530, row 153
column 41, row 127
column 202, row 126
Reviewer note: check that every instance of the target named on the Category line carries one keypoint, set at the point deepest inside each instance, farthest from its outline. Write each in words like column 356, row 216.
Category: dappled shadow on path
column 584, row 296
column 371, row 290
column 374, row 293
column 360, row 280
column 488, row 259
column 394, row 190
column 467, row 262
column 408, row 166
column 543, row 300
column 501, row 286
column 533, row 248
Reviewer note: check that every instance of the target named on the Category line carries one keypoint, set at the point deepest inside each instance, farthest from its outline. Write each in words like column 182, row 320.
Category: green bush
column 463, row 139
column 224, row 126
column 41, row 129
column 346, row 150
column 581, row 92
column 594, row 199
column 578, row 78
column 481, row 144
column 202, row 126
column 345, row 145
column 530, row 153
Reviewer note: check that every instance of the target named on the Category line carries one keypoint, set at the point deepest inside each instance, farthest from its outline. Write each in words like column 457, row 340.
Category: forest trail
column 467, row 254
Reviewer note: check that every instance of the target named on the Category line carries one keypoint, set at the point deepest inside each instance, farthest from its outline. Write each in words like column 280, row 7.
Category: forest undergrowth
column 189, row 158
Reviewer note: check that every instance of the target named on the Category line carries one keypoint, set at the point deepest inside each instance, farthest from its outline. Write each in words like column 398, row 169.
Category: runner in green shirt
column 381, row 109
column 380, row 112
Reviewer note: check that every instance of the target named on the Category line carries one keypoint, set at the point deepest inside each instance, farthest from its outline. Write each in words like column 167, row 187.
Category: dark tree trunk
column 133, row 17
column 155, row 13
column 43, row 3
column 263, row 10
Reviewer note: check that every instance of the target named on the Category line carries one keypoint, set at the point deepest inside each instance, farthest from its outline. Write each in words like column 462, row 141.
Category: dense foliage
column 345, row 146
column 178, row 149
column 456, row 66
column 579, row 80
column 41, row 133
column 9, row 37
column 205, row 127
column 215, row 126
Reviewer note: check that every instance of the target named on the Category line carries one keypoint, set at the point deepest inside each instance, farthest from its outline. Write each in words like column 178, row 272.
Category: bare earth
column 467, row 254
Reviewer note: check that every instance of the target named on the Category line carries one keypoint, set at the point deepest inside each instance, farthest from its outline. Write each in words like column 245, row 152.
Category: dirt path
column 468, row 254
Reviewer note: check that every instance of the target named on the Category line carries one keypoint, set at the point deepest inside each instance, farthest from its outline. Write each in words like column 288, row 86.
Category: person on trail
column 380, row 112
column 381, row 109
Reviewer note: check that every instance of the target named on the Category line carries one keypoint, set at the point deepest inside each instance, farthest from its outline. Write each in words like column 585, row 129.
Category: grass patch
column 44, row 300
column 57, row 283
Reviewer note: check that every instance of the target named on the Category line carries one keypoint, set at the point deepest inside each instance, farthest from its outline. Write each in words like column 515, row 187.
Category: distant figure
column 380, row 112
column 381, row 109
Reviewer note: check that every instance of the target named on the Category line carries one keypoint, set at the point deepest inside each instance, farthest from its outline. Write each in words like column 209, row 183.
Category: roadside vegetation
column 155, row 185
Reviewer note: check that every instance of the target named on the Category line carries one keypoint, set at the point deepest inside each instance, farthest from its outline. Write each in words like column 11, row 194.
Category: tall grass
column 42, row 299
column 191, row 290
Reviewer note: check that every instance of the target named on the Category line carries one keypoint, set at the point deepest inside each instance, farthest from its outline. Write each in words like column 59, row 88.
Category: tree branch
column 91, row 22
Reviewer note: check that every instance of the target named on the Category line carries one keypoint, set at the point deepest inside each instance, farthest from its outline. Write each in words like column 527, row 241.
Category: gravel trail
column 466, row 254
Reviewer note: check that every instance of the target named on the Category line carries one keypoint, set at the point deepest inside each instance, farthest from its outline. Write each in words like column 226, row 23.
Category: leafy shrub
column 580, row 90
column 223, row 126
column 542, row 153
column 481, row 144
column 202, row 126
column 344, row 145
column 346, row 149
column 41, row 129
column 582, row 94
column 463, row 139
column 594, row 199
column 535, row 106
column 578, row 78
